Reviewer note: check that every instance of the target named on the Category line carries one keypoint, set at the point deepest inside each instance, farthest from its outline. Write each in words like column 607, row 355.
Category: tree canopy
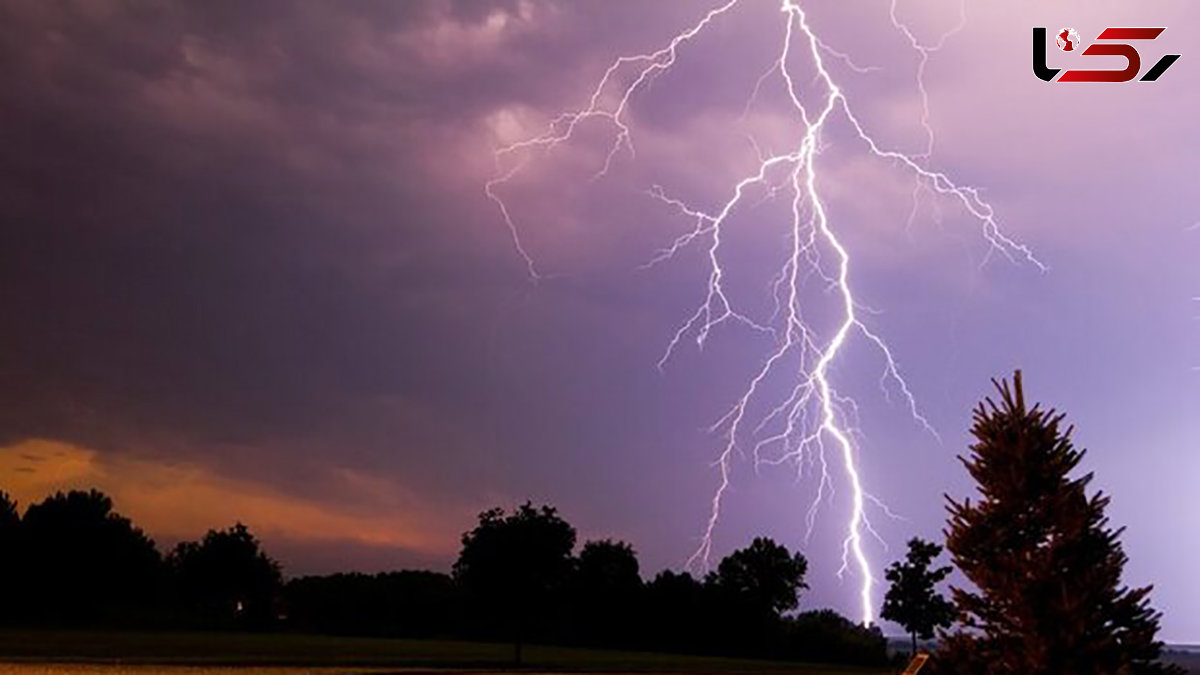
column 766, row 574
column 227, row 577
column 511, row 564
column 80, row 558
column 912, row 599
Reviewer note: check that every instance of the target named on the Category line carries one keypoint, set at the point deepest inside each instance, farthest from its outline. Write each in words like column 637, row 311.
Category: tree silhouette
column 1039, row 550
column 227, row 578
column 912, row 599
column 765, row 575
column 81, row 561
column 9, row 517
column 606, row 590
column 609, row 567
column 512, row 564
column 10, row 548
column 824, row 635
column 678, row 608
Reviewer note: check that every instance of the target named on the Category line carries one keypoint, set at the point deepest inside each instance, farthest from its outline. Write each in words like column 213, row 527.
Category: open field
column 113, row 653
column 178, row 653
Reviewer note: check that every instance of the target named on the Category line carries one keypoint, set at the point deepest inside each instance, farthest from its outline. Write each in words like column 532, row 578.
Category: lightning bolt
column 813, row 420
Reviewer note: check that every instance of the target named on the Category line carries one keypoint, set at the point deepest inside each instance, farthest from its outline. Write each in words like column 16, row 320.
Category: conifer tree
column 1040, row 551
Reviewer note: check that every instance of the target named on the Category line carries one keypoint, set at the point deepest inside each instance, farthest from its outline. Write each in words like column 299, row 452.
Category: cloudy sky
column 248, row 270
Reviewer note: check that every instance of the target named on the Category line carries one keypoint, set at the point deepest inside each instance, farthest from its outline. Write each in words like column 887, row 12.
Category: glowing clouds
column 173, row 500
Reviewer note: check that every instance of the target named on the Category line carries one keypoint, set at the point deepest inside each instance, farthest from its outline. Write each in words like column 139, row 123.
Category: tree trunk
column 914, row 643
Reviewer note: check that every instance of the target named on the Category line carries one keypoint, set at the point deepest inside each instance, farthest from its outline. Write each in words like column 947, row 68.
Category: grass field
column 99, row 653
column 177, row 653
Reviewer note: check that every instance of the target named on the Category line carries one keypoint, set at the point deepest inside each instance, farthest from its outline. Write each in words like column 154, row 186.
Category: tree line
column 517, row 578
column 1044, row 593
column 71, row 560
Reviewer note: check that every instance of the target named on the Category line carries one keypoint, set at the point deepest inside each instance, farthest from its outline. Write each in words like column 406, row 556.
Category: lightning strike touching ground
column 813, row 419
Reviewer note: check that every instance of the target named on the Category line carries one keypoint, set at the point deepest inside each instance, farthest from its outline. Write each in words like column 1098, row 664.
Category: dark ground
column 31, row 647
column 275, row 649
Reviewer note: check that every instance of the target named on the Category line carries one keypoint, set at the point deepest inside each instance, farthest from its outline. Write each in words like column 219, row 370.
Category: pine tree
column 1040, row 552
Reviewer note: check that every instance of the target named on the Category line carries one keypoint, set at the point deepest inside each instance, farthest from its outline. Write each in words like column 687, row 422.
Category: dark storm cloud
column 239, row 235
column 203, row 243
column 137, row 221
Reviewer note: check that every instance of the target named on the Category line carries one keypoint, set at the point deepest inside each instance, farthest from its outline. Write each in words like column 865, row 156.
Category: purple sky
column 248, row 270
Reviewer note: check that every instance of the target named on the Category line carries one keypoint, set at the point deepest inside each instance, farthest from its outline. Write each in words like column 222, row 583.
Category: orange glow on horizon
column 172, row 501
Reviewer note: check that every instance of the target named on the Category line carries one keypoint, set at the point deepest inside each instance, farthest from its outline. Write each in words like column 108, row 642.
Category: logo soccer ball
column 1068, row 39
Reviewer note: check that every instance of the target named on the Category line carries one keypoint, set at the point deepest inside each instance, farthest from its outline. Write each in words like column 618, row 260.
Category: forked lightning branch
column 812, row 423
